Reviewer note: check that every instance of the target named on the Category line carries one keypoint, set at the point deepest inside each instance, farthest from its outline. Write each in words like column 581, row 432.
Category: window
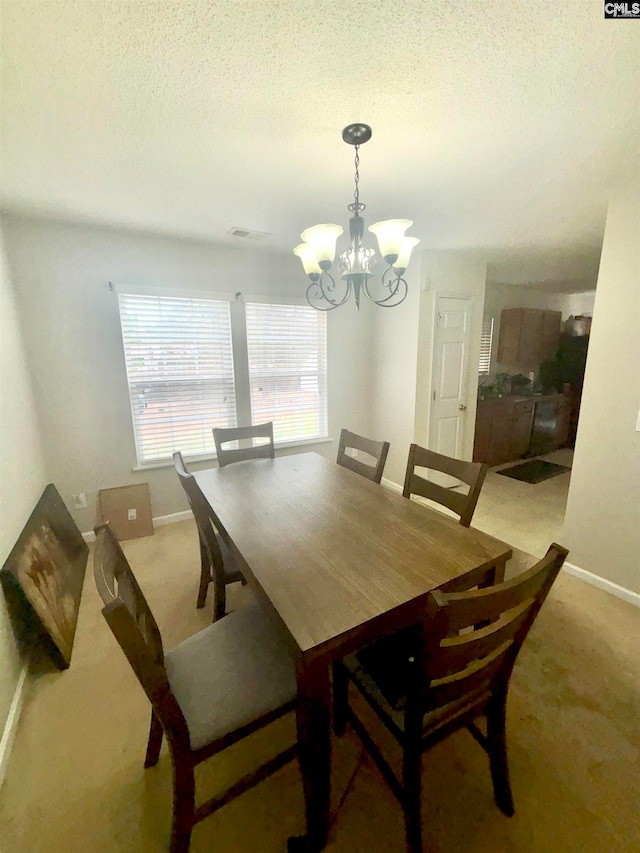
column 187, row 372
column 288, row 369
column 486, row 341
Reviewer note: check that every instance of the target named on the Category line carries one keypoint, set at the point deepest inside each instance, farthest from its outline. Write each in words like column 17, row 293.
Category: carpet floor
column 76, row 782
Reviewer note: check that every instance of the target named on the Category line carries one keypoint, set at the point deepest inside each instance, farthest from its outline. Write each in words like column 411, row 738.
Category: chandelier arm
column 395, row 281
column 331, row 287
column 313, row 304
column 395, row 284
column 391, row 300
column 321, row 294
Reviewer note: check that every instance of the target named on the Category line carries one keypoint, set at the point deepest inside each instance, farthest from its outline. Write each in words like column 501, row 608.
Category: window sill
column 280, row 445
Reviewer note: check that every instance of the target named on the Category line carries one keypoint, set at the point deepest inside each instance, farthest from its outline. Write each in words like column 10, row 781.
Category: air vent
column 248, row 234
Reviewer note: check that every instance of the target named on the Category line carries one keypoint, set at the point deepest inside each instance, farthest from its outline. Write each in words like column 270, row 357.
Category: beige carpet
column 76, row 782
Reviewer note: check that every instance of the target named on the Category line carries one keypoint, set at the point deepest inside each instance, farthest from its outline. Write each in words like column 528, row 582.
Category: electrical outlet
column 80, row 501
column 132, row 514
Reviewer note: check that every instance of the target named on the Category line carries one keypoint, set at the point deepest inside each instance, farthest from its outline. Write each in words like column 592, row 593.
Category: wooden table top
column 333, row 551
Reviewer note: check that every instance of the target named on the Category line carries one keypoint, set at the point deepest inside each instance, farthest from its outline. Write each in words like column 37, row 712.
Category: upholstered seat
column 392, row 702
column 232, row 572
column 212, row 690
column 218, row 564
column 231, row 673
column 427, row 682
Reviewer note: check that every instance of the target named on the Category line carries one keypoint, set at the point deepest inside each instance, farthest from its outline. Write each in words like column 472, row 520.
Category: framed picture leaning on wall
column 42, row 580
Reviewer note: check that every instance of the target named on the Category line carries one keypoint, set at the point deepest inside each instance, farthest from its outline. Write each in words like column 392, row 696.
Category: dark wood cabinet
column 551, row 328
column 505, row 427
column 501, row 434
column 564, row 422
column 503, row 430
column 521, row 429
column 528, row 336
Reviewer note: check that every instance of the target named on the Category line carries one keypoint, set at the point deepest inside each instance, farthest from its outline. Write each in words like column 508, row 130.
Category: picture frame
column 42, row 580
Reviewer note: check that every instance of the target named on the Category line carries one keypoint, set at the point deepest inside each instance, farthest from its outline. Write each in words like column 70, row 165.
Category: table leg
column 499, row 571
column 314, row 746
column 495, row 575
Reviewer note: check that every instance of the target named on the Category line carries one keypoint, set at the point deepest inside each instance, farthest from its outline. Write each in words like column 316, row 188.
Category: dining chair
column 471, row 473
column 266, row 450
column 217, row 562
column 452, row 668
column 207, row 693
column 378, row 450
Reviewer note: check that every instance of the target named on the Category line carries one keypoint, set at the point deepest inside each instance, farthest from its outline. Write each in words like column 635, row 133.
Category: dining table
column 341, row 562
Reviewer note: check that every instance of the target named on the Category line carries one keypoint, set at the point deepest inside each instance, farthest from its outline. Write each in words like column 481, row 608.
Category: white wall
column 449, row 274
column 393, row 398
column 72, row 334
column 22, row 471
column 602, row 522
column 403, row 339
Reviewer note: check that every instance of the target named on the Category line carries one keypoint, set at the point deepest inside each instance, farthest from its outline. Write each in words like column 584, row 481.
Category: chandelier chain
column 356, row 193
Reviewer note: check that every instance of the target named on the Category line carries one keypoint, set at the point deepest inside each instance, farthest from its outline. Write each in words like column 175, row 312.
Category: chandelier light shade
column 322, row 240
column 390, row 235
column 404, row 255
column 307, row 255
column 318, row 250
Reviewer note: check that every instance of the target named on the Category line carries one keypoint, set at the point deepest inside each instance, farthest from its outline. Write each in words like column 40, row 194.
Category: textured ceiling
column 496, row 125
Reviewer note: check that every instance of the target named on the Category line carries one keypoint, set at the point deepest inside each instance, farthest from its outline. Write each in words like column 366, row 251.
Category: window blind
column 287, row 349
column 486, row 342
column 179, row 363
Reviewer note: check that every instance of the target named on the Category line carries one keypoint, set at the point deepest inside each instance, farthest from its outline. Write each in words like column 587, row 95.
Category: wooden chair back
column 128, row 615
column 470, row 640
column 206, row 520
column 376, row 449
column 471, row 473
column 266, row 450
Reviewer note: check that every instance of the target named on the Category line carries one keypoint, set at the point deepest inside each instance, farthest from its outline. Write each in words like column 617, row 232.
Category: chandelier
column 356, row 263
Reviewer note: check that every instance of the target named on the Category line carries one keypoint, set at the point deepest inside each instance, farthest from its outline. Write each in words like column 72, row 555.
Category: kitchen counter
column 516, row 398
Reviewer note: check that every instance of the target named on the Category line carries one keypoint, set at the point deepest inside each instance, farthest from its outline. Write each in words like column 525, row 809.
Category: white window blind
column 287, row 348
column 486, row 342
column 179, row 362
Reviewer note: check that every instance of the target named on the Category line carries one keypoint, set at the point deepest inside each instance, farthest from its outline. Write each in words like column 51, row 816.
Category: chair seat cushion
column 231, row 570
column 231, row 674
column 384, row 672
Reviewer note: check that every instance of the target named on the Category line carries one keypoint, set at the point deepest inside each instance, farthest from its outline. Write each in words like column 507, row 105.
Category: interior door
column 452, row 335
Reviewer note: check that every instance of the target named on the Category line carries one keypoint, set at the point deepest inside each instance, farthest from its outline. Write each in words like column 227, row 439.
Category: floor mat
column 534, row 471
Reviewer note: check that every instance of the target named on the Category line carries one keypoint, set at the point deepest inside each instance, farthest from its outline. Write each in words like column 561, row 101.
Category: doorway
column 450, row 375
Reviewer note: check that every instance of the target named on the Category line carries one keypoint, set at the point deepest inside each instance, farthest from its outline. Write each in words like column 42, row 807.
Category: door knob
column 462, row 407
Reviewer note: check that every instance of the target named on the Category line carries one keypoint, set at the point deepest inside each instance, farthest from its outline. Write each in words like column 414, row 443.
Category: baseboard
column 158, row 521
column 11, row 725
column 173, row 518
column 602, row 583
column 389, row 484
